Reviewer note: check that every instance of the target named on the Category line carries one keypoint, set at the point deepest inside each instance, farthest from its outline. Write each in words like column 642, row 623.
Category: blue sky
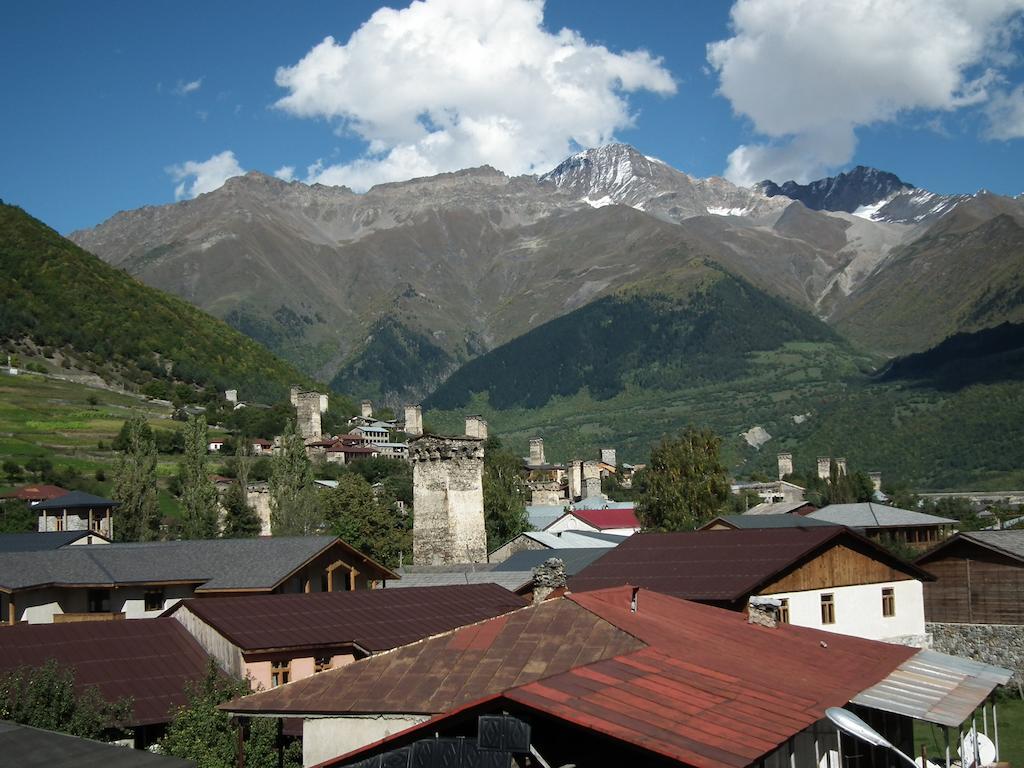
column 125, row 104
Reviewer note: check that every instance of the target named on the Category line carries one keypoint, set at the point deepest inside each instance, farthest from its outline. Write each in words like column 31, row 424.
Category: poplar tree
column 138, row 516
column 685, row 483
column 240, row 520
column 293, row 509
column 198, row 493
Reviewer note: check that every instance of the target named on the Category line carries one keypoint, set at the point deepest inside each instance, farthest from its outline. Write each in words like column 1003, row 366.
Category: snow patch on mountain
column 719, row 211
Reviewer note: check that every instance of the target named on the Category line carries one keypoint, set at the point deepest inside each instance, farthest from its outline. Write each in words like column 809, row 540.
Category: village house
column 825, row 577
column 546, row 540
column 216, row 444
column 628, row 676
column 142, row 580
column 149, row 661
column 772, row 491
column 77, row 511
column 33, row 494
column 275, row 639
column 261, row 446
column 618, row 521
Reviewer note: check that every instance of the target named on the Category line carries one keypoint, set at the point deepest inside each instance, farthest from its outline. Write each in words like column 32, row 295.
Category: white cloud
column 1006, row 114
column 447, row 84
column 285, row 173
column 183, row 89
column 807, row 73
column 197, row 178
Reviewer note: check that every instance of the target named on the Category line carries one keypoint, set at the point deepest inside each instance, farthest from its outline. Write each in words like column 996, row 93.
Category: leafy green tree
column 201, row 732
column 121, row 441
column 293, row 503
column 685, row 483
column 39, row 466
column 12, row 470
column 357, row 515
column 504, row 494
column 16, row 517
column 45, row 697
column 198, row 493
column 138, row 517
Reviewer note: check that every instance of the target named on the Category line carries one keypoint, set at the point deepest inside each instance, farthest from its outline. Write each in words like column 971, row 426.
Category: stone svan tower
column 308, row 408
column 785, row 464
column 824, row 467
column 366, row 409
column 536, row 451
column 448, row 500
column 476, row 426
column 413, row 420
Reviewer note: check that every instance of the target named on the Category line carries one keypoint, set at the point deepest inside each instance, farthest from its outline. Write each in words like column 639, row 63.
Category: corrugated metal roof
column 574, row 539
column 374, row 620
column 935, row 687
column 28, row 747
column 870, row 515
column 603, row 519
column 259, row 563
column 777, row 507
column 150, row 660
column 447, row 671
column 541, row 516
column 719, row 566
column 600, row 502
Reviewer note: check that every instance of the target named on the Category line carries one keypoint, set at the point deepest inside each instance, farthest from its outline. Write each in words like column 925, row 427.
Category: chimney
column 413, row 420
column 785, row 464
column 876, row 481
column 476, row 426
column 547, row 577
column 366, row 409
column 841, row 466
column 608, row 456
column 764, row 611
column 824, row 466
column 536, row 451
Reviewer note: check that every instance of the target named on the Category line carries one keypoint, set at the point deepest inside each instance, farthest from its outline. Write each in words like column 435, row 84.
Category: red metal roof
column 36, row 493
column 374, row 620
column 602, row 519
column 150, row 660
column 452, row 669
column 707, row 689
column 719, row 566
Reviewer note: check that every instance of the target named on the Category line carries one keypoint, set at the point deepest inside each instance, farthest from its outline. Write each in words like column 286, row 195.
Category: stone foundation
column 999, row 644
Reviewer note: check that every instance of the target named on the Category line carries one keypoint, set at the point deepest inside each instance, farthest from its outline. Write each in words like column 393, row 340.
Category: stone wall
column 999, row 644
column 448, row 500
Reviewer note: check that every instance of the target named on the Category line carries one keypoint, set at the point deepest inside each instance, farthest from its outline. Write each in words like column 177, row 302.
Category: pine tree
column 138, row 517
column 198, row 493
column 293, row 507
column 685, row 484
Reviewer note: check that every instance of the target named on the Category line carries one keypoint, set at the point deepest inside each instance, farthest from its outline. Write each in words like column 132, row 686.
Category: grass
column 1011, row 735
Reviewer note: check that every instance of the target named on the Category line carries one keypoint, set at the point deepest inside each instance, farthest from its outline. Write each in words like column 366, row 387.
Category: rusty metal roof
column 150, row 660
column 705, row 687
column 719, row 566
column 374, row 620
column 935, row 687
column 449, row 670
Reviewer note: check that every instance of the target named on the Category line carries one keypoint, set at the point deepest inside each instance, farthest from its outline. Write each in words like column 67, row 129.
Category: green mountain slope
column 59, row 296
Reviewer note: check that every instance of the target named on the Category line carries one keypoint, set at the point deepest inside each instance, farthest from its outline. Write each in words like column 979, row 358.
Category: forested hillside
column 68, row 301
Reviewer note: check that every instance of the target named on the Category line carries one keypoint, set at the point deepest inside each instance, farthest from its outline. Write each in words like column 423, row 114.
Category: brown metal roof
column 150, row 660
column 447, row 671
column 374, row 620
column 719, row 566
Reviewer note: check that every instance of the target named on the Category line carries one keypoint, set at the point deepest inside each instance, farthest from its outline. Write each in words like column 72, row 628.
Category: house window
column 58, row 523
column 828, row 609
column 888, row 601
column 98, row 600
column 280, row 673
column 321, row 663
column 784, row 611
column 154, row 599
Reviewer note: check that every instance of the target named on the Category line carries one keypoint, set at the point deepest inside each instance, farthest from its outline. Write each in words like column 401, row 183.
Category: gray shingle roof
column 575, row 560
column 870, row 515
column 511, row 580
column 35, row 542
column 1011, row 542
column 29, row 747
column 215, row 563
column 772, row 521
column 775, row 507
column 77, row 500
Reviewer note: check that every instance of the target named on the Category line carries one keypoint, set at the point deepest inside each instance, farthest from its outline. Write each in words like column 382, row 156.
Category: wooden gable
column 838, row 566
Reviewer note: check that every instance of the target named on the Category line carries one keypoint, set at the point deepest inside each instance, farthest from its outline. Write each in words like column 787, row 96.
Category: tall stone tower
column 841, row 466
column 476, row 426
column 413, row 420
column 307, row 413
column 824, row 467
column 536, row 451
column 785, row 464
column 366, row 409
column 608, row 456
column 448, row 500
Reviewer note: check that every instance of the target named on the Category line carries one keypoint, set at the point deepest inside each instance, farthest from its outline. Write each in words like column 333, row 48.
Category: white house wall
column 327, row 737
column 858, row 610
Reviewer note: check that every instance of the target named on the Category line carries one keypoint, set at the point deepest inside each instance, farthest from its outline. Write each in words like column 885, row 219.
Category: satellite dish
column 986, row 749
